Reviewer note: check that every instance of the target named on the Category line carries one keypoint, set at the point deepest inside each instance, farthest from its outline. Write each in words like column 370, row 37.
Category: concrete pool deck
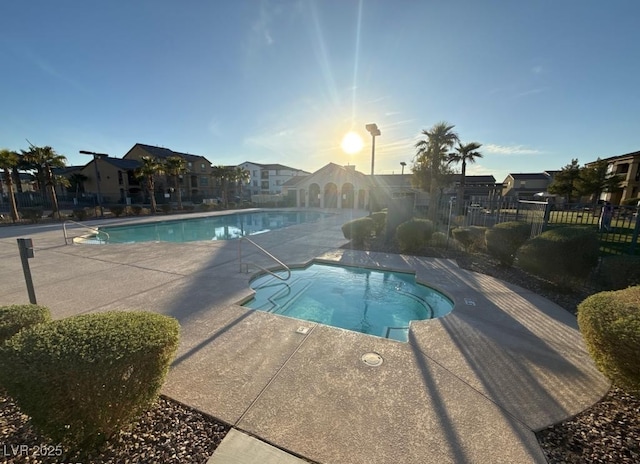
column 470, row 387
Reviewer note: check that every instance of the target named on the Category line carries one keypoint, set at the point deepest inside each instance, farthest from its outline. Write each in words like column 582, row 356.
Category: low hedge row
column 414, row 234
column 358, row 230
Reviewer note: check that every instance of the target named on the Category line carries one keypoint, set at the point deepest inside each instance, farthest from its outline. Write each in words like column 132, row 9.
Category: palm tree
column 147, row 172
column 76, row 181
column 43, row 159
column 463, row 154
column 8, row 160
column 241, row 176
column 222, row 174
column 175, row 166
column 431, row 159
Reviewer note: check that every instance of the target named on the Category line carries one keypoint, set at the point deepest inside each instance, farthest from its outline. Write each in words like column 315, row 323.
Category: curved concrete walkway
column 470, row 387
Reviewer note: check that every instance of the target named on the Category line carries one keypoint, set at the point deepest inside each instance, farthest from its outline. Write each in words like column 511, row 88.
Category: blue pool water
column 225, row 227
column 373, row 302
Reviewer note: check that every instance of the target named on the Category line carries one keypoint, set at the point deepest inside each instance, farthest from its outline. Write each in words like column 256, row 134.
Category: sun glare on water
column 351, row 143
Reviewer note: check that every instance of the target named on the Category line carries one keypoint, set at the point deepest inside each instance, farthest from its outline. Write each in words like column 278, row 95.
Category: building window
column 189, row 164
column 264, row 174
column 204, row 181
column 255, row 173
column 255, row 183
column 202, row 167
column 638, row 173
column 265, row 185
column 120, row 179
column 523, row 184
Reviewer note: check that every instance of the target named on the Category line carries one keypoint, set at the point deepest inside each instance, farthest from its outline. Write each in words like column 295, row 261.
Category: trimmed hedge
column 610, row 325
column 618, row 272
column 32, row 214
column 117, row 210
column 564, row 255
column 358, row 230
column 84, row 378
column 16, row 317
column 471, row 238
column 438, row 240
column 414, row 234
column 504, row 239
column 379, row 222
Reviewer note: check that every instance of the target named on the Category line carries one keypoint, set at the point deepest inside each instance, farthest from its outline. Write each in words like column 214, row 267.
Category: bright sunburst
column 351, row 143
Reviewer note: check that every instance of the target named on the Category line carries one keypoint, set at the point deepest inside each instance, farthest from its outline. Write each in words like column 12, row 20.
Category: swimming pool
column 373, row 302
column 224, row 227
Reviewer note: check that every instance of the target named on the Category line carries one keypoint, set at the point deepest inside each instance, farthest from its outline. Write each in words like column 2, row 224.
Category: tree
column 175, row 166
column 76, row 182
column 430, row 163
column 8, row 160
column 43, row 159
column 241, row 176
column 463, row 154
column 565, row 182
column 223, row 174
column 150, row 168
column 595, row 179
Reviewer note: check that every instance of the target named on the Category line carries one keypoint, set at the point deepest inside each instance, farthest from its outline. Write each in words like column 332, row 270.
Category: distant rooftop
column 161, row 152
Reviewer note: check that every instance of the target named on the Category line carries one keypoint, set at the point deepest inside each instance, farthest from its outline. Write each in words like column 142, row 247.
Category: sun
column 351, row 143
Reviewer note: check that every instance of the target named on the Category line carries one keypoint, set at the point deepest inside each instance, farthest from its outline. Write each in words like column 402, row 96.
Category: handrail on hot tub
column 286, row 268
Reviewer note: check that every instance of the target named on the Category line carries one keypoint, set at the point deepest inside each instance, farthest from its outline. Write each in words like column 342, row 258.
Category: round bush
column 16, row 317
column 504, row 239
column 84, row 378
column 438, row 240
column 471, row 238
column 379, row 222
column 610, row 325
column 414, row 234
column 358, row 230
column 565, row 255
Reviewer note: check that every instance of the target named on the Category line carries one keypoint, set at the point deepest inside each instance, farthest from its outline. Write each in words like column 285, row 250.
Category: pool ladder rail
column 93, row 229
column 266, row 253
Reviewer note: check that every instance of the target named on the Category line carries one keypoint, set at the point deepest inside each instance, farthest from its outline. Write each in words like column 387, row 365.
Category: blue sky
column 536, row 82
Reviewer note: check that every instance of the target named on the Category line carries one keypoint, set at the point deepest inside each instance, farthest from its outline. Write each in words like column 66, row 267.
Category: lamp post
column 403, row 164
column 374, row 131
column 96, row 156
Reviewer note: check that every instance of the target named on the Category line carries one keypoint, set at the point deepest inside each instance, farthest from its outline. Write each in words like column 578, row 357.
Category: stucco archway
column 347, row 195
column 330, row 195
column 314, row 196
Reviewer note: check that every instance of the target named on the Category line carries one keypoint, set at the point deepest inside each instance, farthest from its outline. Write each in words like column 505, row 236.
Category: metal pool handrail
column 94, row 229
column 286, row 268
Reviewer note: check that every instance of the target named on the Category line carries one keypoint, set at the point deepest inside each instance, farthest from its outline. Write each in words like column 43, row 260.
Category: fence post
column 517, row 209
column 636, row 229
column 547, row 215
column 25, row 245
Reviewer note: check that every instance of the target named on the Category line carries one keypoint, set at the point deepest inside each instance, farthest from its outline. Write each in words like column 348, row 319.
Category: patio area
column 470, row 387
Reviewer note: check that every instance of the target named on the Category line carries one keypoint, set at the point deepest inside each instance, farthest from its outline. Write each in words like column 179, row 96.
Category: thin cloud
column 531, row 92
column 509, row 149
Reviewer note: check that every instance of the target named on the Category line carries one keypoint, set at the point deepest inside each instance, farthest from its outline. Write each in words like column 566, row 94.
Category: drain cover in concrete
column 371, row 359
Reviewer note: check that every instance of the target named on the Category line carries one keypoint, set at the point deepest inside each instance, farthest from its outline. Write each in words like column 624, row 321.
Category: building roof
column 530, row 176
column 164, row 153
column 470, row 180
column 274, row 167
column 121, row 163
column 633, row 154
column 66, row 170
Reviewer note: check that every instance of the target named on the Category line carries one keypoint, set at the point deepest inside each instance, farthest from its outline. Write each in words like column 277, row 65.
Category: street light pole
column 96, row 156
column 374, row 131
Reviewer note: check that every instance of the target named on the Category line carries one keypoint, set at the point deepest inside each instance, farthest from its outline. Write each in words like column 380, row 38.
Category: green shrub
column 80, row 214
column 205, row 207
column 117, row 210
column 188, row 207
column 504, row 239
column 565, row 255
column 32, row 214
column 610, row 325
column 379, row 222
column 471, row 238
column 16, row 317
column 136, row 209
column 414, row 234
column 438, row 240
column 84, row 378
column 358, row 230
column 618, row 272
column 165, row 207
